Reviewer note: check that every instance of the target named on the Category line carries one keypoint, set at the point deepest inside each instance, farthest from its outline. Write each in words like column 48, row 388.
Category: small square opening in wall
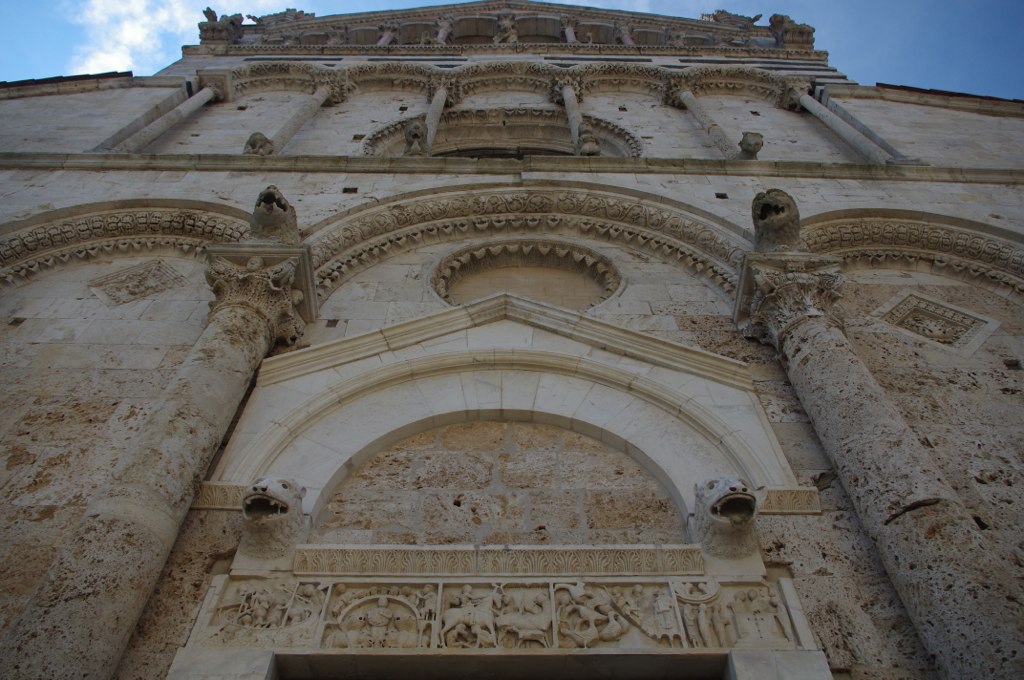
column 16, row 321
column 358, row 138
column 755, row 113
column 350, row 190
column 623, row 108
column 403, row 109
column 721, row 194
column 331, row 323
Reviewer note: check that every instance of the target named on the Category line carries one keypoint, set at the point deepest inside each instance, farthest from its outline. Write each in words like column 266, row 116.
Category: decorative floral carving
column 137, row 282
column 219, row 496
column 791, row 502
column 938, row 322
column 787, row 290
column 266, row 290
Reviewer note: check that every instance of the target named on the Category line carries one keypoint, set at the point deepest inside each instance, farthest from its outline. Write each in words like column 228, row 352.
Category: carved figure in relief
column 476, row 613
column 776, row 222
column 225, row 29
column 720, row 16
column 258, row 144
column 750, row 144
column 724, row 517
column 759, row 618
column 506, row 30
column 378, row 621
column 415, row 139
column 273, row 518
column 274, row 218
column 586, row 616
column 523, row 622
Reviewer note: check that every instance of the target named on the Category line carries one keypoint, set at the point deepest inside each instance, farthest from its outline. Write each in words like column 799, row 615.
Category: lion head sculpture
column 724, row 517
column 274, row 218
column 750, row 145
column 258, row 144
column 415, row 139
column 272, row 509
column 776, row 222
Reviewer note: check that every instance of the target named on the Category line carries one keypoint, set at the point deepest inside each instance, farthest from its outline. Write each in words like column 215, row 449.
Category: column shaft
column 864, row 146
column 720, row 137
column 570, row 33
column 961, row 597
column 434, row 114
column 81, row 618
column 300, row 118
column 144, row 137
column 572, row 112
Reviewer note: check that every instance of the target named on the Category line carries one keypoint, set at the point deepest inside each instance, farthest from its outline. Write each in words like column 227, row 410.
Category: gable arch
column 352, row 241
column 332, row 432
column 954, row 247
column 113, row 228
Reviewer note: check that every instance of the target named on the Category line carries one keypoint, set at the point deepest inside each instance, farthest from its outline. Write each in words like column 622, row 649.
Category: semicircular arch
column 352, row 241
column 673, row 436
column 114, row 228
column 954, row 247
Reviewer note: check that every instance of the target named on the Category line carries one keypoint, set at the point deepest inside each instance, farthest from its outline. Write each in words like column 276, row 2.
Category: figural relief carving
column 681, row 615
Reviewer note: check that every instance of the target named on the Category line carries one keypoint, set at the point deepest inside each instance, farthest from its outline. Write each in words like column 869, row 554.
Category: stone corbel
column 388, row 31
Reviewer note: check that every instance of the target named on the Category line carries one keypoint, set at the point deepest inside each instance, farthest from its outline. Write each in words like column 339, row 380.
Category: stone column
column 569, row 28
column 433, row 117
column 959, row 595
column 864, row 146
column 565, row 90
column 79, row 621
column 388, row 31
column 144, row 137
column 444, row 29
column 722, row 139
column 260, row 144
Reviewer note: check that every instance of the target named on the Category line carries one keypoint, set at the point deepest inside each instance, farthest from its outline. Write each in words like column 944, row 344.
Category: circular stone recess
column 555, row 272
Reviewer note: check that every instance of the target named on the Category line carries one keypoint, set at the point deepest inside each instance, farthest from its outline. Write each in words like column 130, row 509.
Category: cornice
column 537, row 164
column 988, row 106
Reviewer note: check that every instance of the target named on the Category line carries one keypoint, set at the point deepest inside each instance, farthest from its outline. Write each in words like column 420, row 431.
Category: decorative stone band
column 522, row 252
column 946, row 250
column 131, row 232
column 551, row 561
column 779, row 290
column 677, row 615
column 794, row 501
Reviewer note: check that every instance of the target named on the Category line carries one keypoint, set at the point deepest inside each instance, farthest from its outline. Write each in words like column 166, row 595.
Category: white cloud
column 138, row 35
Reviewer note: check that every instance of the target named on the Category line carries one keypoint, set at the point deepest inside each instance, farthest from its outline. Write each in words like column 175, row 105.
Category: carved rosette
column 786, row 289
column 266, row 290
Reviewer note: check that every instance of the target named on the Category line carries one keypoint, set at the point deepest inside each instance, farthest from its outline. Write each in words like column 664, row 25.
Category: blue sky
column 971, row 46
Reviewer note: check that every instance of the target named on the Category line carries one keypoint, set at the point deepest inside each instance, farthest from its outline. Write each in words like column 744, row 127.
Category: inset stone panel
column 136, row 282
column 554, row 272
column 496, row 483
column 954, row 327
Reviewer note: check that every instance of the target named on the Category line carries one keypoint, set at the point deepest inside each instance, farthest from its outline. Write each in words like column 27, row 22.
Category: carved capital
column 558, row 84
column 218, row 81
column 336, row 81
column 451, row 85
column 779, row 290
column 266, row 290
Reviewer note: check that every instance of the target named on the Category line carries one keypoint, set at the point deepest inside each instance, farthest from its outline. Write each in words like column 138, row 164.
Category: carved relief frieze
column 289, row 76
column 29, row 251
column 366, row 239
column 134, row 283
column 735, row 81
column 900, row 242
column 680, row 615
column 219, row 496
column 790, row 502
column 939, row 322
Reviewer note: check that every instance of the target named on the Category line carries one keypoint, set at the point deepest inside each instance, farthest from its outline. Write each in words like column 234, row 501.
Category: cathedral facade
column 509, row 339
